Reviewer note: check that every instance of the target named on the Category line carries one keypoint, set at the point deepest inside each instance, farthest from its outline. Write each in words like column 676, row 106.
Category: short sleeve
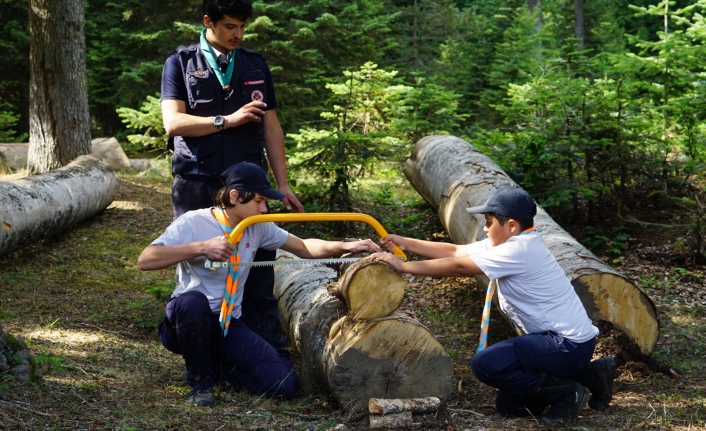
column 504, row 260
column 270, row 88
column 178, row 233
column 173, row 85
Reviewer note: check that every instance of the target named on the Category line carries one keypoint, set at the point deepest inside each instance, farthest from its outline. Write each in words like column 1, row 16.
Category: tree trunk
column 357, row 359
column 578, row 24
column 60, row 128
column 36, row 207
column 452, row 175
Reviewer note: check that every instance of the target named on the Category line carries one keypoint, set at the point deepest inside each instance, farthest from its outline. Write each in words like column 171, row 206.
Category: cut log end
column 365, row 364
column 607, row 297
column 371, row 289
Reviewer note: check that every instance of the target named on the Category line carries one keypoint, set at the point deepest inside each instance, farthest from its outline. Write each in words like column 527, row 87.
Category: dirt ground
column 89, row 316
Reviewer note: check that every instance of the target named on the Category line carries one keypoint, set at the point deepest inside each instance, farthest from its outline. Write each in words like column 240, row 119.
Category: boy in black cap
column 203, row 317
column 550, row 365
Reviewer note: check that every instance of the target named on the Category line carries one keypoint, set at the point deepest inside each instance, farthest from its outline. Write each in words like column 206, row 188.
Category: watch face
column 218, row 121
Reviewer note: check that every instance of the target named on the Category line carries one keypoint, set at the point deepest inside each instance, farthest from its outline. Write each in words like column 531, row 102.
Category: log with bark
column 38, row 206
column 386, row 354
column 384, row 406
column 452, row 175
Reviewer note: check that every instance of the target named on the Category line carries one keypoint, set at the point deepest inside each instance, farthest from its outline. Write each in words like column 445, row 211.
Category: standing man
column 219, row 108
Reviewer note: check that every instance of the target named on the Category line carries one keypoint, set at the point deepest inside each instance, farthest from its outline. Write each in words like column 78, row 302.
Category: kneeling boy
column 201, row 324
column 550, row 365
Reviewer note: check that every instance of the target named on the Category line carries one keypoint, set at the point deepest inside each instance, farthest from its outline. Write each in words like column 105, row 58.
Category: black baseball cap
column 249, row 177
column 510, row 201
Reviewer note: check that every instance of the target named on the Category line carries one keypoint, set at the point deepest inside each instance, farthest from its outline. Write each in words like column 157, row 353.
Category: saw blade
column 213, row 265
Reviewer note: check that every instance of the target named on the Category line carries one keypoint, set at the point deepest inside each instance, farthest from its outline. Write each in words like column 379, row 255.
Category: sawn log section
column 452, row 175
column 364, row 349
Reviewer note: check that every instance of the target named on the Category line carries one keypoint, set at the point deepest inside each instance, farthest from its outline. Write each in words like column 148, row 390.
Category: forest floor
column 89, row 317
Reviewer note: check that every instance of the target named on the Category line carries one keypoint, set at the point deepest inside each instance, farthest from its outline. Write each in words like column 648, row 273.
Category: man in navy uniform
column 219, row 108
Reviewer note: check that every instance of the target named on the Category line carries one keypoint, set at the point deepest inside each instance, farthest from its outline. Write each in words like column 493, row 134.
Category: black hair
column 524, row 224
column 222, row 198
column 217, row 9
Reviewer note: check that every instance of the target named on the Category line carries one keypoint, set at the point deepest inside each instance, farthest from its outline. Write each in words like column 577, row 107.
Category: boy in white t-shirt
column 550, row 365
column 216, row 343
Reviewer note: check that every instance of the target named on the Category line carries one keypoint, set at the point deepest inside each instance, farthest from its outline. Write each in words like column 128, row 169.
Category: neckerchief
column 485, row 319
column 231, row 288
column 224, row 79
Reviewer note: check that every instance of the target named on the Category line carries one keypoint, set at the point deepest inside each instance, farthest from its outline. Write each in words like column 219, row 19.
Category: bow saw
column 302, row 217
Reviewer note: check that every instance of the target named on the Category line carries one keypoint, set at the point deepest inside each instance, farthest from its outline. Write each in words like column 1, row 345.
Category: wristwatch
column 219, row 122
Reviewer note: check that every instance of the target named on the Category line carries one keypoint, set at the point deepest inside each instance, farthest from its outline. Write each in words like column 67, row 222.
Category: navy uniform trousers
column 515, row 367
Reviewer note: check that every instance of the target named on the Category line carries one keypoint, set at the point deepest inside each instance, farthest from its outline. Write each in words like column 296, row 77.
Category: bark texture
column 36, row 207
column 384, row 406
column 452, row 175
column 59, row 122
column 354, row 360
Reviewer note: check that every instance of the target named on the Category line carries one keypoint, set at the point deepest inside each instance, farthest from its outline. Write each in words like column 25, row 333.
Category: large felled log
column 38, row 206
column 452, row 175
column 356, row 359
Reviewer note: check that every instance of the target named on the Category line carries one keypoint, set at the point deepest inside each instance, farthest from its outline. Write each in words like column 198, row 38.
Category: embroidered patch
column 261, row 81
column 257, row 95
column 199, row 73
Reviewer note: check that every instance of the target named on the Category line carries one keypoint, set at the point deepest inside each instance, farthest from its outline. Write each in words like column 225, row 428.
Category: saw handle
column 296, row 217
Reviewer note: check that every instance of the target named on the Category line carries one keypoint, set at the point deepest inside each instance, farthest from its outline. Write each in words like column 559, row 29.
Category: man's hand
column 390, row 259
column 253, row 111
column 218, row 249
column 291, row 203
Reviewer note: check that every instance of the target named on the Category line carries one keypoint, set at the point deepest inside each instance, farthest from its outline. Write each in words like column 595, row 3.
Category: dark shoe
column 201, row 397
column 603, row 372
column 565, row 397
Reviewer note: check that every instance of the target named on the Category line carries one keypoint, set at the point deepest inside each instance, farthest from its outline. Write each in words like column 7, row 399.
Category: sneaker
column 201, row 397
column 565, row 410
column 604, row 371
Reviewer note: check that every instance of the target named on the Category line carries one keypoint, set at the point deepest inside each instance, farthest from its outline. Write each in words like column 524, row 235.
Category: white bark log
column 355, row 360
column 452, row 176
column 384, row 406
column 36, row 207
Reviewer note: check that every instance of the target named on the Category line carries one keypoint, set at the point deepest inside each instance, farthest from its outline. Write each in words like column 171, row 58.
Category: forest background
column 593, row 108
column 596, row 109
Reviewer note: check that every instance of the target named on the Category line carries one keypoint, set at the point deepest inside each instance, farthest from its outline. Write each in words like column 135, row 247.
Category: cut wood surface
column 370, row 289
column 384, row 406
column 38, row 206
column 393, row 420
column 452, row 175
column 356, row 359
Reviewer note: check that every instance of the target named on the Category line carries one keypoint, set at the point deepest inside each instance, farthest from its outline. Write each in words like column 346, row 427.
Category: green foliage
column 372, row 117
column 8, row 122
column 148, row 120
column 308, row 42
column 614, row 240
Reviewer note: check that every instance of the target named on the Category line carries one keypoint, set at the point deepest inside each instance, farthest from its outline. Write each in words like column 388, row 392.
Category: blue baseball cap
column 509, row 201
column 249, row 177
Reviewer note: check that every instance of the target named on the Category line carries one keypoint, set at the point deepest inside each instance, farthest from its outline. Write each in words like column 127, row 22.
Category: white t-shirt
column 201, row 225
column 532, row 288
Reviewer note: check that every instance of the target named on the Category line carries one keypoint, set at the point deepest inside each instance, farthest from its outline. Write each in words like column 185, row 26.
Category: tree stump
column 38, row 206
column 353, row 358
column 451, row 175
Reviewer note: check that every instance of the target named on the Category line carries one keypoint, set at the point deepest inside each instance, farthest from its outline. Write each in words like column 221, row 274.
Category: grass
column 89, row 316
